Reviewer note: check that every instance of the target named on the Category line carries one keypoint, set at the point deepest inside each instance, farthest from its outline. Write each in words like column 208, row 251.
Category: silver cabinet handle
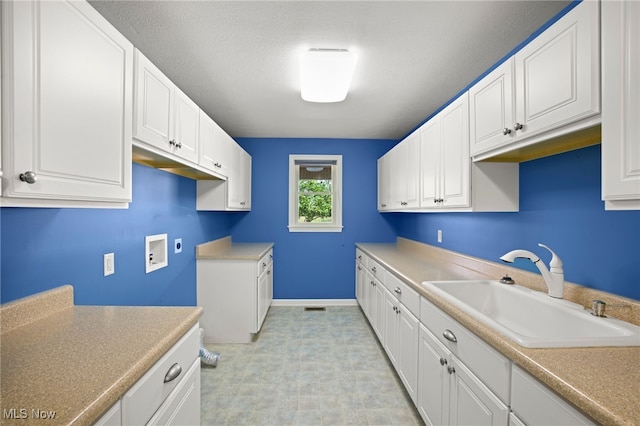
column 506, row 131
column 517, row 126
column 264, row 264
column 448, row 334
column 451, row 370
column 397, row 290
column 179, row 145
column 374, row 269
column 359, row 268
column 173, row 372
column 172, row 142
column 443, row 361
column 29, row 177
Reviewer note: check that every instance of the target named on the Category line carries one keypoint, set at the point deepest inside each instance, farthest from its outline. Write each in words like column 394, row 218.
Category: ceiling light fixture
column 325, row 74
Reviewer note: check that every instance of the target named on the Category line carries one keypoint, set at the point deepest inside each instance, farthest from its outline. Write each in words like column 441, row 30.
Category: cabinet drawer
column 360, row 256
column 376, row 270
column 264, row 262
column 404, row 293
column 488, row 364
column 144, row 398
column 182, row 407
column 535, row 404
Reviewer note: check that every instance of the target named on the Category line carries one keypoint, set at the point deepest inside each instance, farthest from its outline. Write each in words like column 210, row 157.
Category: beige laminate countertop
column 224, row 249
column 602, row 382
column 77, row 361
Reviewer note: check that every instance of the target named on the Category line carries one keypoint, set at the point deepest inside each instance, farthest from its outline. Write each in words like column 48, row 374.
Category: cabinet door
column 433, row 382
column 154, row 104
column 408, row 345
column 379, row 301
column 492, row 109
column 390, row 341
column 264, row 282
column 455, row 154
column 621, row 104
column 558, row 73
column 383, row 185
column 69, row 75
column 239, row 178
column 212, row 149
column 406, row 174
column 186, row 123
column 430, row 161
column 360, row 283
column 471, row 402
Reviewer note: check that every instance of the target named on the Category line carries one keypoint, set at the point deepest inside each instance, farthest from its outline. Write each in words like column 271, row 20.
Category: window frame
column 336, row 183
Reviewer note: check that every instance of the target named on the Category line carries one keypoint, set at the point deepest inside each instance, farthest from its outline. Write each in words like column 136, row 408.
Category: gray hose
column 206, row 356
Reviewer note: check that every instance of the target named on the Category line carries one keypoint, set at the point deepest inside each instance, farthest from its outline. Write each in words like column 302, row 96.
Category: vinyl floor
column 306, row 368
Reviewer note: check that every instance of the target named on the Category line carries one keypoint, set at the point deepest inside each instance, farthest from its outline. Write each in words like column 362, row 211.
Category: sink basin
column 533, row 319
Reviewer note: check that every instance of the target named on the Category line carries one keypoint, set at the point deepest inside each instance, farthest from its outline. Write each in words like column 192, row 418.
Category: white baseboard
column 314, row 302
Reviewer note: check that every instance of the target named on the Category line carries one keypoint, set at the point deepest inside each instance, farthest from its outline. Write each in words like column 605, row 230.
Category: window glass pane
column 315, row 208
column 314, row 186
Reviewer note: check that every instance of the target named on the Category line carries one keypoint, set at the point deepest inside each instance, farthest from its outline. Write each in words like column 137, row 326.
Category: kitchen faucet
column 554, row 278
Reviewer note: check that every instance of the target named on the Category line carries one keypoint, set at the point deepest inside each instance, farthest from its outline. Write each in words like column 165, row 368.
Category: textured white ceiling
column 238, row 59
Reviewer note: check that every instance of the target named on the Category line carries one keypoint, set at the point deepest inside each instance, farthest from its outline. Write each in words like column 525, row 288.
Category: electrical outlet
column 439, row 235
column 178, row 245
column 109, row 264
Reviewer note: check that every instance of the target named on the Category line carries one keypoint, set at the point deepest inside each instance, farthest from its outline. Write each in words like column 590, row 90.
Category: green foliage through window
column 315, row 201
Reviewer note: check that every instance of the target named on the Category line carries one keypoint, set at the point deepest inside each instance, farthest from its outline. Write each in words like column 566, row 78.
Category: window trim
column 294, row 225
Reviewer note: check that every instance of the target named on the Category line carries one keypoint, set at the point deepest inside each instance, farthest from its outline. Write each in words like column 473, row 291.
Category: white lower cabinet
column 449, row 393
column 535, row 404
column 169, row 393
column 235, row 295
column 452, row 376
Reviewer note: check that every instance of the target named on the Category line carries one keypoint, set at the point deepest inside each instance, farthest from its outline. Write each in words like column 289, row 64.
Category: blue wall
column 314, row 265
column 560, row 206
column 46, row 248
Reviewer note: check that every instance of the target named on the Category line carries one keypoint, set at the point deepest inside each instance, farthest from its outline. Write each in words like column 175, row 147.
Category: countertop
column 225, row 249
column 77, row 361
column 603, row 382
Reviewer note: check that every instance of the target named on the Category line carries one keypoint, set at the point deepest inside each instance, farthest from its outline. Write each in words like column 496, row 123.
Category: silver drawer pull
column 173, row 372
column 448, row 334
column 397, row 290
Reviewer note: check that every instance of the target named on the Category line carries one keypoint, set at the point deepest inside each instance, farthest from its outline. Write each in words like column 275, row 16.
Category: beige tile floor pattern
column 306, row 368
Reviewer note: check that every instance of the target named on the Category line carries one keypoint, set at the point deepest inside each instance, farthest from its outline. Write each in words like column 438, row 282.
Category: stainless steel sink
column 533, row 319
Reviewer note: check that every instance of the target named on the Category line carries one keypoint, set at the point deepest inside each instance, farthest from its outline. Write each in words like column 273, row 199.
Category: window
column 315, row 193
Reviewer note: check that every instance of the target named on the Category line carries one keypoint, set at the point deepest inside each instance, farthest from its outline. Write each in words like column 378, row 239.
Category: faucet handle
column 598, row 308
column 555, row 260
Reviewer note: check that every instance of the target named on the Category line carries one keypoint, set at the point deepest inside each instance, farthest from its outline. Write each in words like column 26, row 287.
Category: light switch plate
column 109, row 264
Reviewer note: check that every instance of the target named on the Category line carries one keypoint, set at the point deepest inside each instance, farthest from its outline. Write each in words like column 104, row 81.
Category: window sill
column 311, row 228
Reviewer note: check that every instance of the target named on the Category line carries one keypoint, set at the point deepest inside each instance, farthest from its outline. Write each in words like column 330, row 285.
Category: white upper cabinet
column 556, row 82
column 67, row 96
column 447, row 180
column 492, row 109
column 402, row 174
column 445, row 157
column 214, row 146
column 239, row 195
column 621, row 105
column 186, row 127
column 234, row 194
column 164, row 117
